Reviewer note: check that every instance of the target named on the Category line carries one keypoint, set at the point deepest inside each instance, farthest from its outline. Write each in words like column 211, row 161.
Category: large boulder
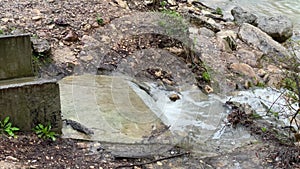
column 241, row 16
column 280, row 28
column 257, row 38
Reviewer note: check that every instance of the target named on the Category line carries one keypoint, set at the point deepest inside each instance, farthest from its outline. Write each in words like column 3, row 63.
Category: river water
column 290, row 8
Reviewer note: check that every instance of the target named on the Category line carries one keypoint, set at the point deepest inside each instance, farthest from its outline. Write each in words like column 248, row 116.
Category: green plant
column 45, row 132
column 163, row 3
column 99, row 20
column 260, row 84
column 173, row 22
column 162, row 23
column 6, row 127
column 206, row 76
column 1, row 32
column 35, row 36
column 40, row 60
column 290, row 84
column 275, row 114
column 171, row 13
column 219, row 11
column 264, row 129
column 255, row 116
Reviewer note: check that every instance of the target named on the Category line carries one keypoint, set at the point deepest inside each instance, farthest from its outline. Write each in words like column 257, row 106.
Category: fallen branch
column 153, row 161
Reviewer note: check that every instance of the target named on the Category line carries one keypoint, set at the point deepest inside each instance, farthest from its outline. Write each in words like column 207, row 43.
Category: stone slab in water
column 28, row 102
column 109, row 107
column 15, row 56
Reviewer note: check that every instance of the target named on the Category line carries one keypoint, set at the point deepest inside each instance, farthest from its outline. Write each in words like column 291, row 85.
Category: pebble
column 95, row 25
column 11, row 158
column 5, row 20
column 87, row 27
column 82, row 145
column 51, row 26
column 174, row 97
column 71, row 36
column 36, row 18
column 167, row 81
column 208, row 89
column 261, row 72
column 172, row 2
column 122, row 4
column 158, row 73
column 159, row 163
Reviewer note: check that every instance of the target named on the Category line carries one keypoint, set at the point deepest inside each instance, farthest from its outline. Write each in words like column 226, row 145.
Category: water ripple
column 290, row 8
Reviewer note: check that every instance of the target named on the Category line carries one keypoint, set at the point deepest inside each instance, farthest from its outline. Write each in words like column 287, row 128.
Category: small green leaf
column 40, row 126
column 38, row 132
column 45, row 132
column 264, row 129
column 8, row 125
column 14, row 129
column 10, row 133
column 5, row 120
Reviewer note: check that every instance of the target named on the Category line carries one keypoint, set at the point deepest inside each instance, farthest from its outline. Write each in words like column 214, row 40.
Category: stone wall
column 15, row 57
column 30, row 103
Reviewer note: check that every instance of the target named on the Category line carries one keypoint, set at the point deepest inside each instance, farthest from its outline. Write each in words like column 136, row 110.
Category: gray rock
column 225, row 33
column 249, row 57
column 257, row 38
column 206, row 32
column 279, row 27
column 41, row 46
column 243, row 69
column 207, row 22
column 229, row 38
column 241, row 16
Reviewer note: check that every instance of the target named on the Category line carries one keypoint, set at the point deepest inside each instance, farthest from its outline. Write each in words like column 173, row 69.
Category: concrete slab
column 15, row 56
column 108, row 106
column 30, row 101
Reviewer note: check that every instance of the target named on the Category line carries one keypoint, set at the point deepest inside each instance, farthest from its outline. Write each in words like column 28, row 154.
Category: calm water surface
column 290, row 8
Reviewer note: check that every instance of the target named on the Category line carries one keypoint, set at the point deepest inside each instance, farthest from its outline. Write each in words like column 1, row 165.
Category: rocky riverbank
column 170, row 42
column 66, row 31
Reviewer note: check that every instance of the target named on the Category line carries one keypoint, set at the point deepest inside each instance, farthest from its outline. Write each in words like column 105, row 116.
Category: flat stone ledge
column 28, row 102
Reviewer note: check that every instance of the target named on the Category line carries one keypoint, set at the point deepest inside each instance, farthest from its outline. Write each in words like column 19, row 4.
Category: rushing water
column 290, row 8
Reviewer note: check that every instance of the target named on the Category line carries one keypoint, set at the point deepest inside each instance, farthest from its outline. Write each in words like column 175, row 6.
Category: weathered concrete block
column 29, row 102
column 15, row 56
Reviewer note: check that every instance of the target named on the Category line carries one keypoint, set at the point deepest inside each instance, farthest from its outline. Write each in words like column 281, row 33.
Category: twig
column 298, row 88
column 294, row 119
column 298, row 111
column 153, row 161
column 274, row 102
